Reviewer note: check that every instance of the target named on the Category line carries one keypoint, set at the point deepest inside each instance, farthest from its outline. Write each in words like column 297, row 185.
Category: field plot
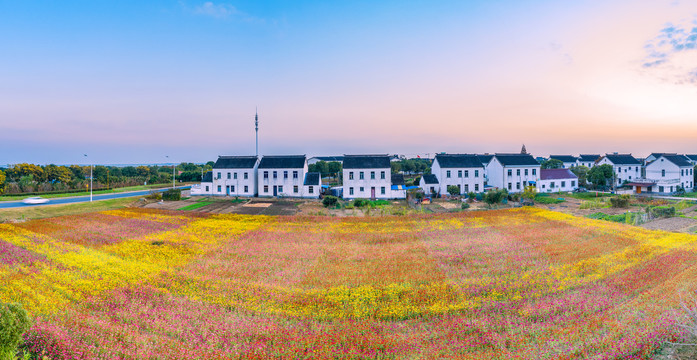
column 523, row 283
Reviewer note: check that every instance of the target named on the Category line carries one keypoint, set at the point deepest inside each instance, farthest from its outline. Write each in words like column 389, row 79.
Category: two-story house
column 665, row 174
column 367, row 177
column 235, row 176
column 283, row 176
column 513, row 172
column 587, row 160
column 625, row 167
column 465, row 171
column 568, row 161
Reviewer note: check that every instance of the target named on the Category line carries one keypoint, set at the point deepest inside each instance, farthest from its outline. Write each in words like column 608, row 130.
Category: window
column 563, row 184
column 220, row 189
column 234, row 176
column 232, row 188
column 228, row 176
column 280, row 189
column 311, row 190
column 433, row 190
column 206, row 188
column 526, row 172
column 382, row 175
column 459, row 173
column 619, row 169
column 295, row 174
column 476, row 187
column 681, row 172
column 467, row 173
column 285, row 174
column 663, row 172
column 551, row 184
column 476, row 173
column 372, row 175
column 275, row 174
column 517, row 172
column 266, row 175
column 350, row 191
column 447, row 174
column 573, row 183
column 361, row 189
column 266, row 188
column 459, row 189
column 246, row 176
column 382, row 190
column 534, row 172
column 517, row 186
column 295, row 189
column 467, row 188
column 351, row 175
column 660, row 189
column 510, row 186
column 246, row 189
column 219, row 176
column 361, row 176
column 510, row 172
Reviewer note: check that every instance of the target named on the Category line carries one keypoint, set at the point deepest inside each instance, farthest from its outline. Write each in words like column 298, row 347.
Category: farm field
column 524, row 283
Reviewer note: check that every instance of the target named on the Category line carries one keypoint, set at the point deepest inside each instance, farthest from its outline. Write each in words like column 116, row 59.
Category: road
column 80, row 199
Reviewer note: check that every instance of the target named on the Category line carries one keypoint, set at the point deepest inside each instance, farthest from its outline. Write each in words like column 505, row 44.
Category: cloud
column 216, row 10
column 558, row 48
column 671, row 54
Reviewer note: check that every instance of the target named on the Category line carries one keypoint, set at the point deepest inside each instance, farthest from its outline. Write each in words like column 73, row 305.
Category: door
column 372, row 193
column 638, row 189
column 227, row 190
column 275, row 190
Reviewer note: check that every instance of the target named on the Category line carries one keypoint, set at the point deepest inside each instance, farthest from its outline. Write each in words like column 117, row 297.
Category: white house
column 367, row 177
column 429, row 184
column 665, row 174
column 283, row 176
column 556, row 180
column 465, row 171
column 625, row 167
column 567, row 160
column 235, row 176
column 205, row 187
column 398, row 186
column 692, row 158
column 312, row 186
column 587, row 160
column 513, row 171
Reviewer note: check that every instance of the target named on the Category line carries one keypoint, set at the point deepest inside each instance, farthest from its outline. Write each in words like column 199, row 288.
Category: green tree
column 599, row 175
column 143, row 171
column 582, row 173
column 129, row 171
column 395, row 166
column 101, row 174
column 529, row 193
column 334, row 167
column 14, row 321
column 552, row 164
column 493, row 197
column 59, row 174
column 453, row 190
column 78, row 172
column 2, row 182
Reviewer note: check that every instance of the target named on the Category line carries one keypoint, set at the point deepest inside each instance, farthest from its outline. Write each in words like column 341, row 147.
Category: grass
column 17, row 197
column 40, row 212
column 547, row 199
column 195, row 206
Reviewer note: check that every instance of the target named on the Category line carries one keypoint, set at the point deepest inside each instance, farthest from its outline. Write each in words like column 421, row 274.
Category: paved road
column 79, row 199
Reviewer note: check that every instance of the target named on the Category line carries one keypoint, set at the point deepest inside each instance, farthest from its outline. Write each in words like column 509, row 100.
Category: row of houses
column 370, row 176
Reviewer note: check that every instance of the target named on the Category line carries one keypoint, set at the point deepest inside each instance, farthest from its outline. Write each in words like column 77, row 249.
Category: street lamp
column 173, row 167
column 90, row 178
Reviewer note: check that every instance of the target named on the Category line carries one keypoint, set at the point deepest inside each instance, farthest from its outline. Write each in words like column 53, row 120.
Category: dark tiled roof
column 564, row 158
column 623, row 159
column 691, row 157
column 459, row 161
column 366, row 161
column 208, row 177
column 678, row 160
column 517, row 159
column 556, row 174
column 312, row 178
column 235, row 162
column 282, row 162
column 588, row 157
column 485, row 158
column 329, row 158
column 657, row 155
column 430, row 179
column 397, row 179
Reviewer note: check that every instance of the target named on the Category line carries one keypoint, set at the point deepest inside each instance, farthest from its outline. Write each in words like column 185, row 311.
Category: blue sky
column 131, row 82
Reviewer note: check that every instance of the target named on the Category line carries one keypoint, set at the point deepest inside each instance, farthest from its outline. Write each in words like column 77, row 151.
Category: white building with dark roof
column 235, row 176
column 429, row 184
column 513, row 172
column 312, row 186
column 556, row 180
column 465, row 171
column 665, row 174
column 283, row 176
column 692, row 158
column 205, row 187
column 368, row 177
column 625, row 167
column 567, row 160
column 587, row 160
column 316, row 159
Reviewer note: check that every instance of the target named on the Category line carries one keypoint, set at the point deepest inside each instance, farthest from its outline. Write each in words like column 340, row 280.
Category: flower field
column 523, row 283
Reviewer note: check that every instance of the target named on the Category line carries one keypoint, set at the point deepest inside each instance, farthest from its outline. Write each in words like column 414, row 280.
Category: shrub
column 471, row 196
column 661, row 211
column 592, row 204
column 514, row 197
column 547, row 200
column 361, row 202
column 621, row 201
column 453, row 190
column 172, row 195
column 14, row 321
column 330, row 200
column 495, row 196
column 464, row 206
column 154, row 195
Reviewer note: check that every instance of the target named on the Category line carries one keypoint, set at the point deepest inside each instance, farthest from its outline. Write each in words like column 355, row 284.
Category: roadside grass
column 195, row 206
column 40, row 212
column 17, row 197
column 588, row 195
column 594, row 204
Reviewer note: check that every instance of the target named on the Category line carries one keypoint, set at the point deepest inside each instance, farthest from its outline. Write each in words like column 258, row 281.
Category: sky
column 159, row 81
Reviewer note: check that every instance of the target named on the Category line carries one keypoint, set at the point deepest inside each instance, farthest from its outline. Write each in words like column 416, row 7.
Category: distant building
column 313, row 184
column 665, row 174
column 429, row 184
column 368, row 177
column 235, row 176
column 316, row 159
column 587, row 160
column 556, row 180
column 513, row 172
column 465, row 171
column 205, row 187
column 568, row 161
column 625, row 166
column 283, row 176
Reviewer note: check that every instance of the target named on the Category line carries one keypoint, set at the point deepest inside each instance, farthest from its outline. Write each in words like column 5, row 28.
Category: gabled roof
column 622, row 159
column 485, row 158
column 564, row 158
column 556, row 174
column 235, row 162
column 517, row 160
column 208, row 177
column 328, row 158
column 366, row 161
column 312, row 178
column 679, row 160
column 588, row 157
column 397, row 179
column 430, row 179
column 459, row 161
column 282, row 162
column 692, row 157
column 657, row 155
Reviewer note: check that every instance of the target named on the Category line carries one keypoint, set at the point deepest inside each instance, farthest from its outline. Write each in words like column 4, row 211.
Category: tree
column 59, row 174
column 129, row 171
column 14, row 321
column 2, row 182
column 78, row 172
column 18, row 171
column 101, row 174
column 495, row 196
column 190, row 176
column 599, row 175
column 582, row 173
column 334, row 167
column 143, row 171
column 453, row 190
column 552, row 164
column 529, row 193
column 395, row 166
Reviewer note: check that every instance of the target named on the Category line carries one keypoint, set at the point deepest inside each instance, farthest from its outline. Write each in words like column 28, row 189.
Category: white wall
column 469, row 179
column 284, row 186
column 623, row 172
column 205, row 188
column 225, row 183
column 499, row 178
column 367, row 184
column 427, row 187
column 667, row 174
column 557, row 185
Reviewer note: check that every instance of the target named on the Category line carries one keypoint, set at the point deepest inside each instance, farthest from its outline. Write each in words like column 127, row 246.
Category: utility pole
column 91, row 167
column 256, row 129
